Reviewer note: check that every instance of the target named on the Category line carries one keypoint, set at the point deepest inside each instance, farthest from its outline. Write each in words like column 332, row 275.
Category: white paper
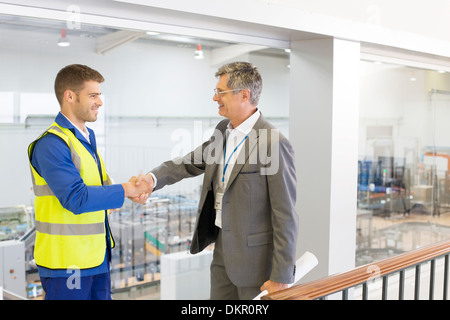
column 303, row 265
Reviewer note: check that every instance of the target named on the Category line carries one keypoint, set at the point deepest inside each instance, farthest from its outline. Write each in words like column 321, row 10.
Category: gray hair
column 243, row 75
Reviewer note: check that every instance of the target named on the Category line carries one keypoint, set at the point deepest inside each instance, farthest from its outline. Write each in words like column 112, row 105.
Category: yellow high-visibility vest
column 65, row 239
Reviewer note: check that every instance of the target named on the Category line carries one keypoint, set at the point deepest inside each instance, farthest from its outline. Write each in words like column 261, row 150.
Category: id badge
column 218, row 201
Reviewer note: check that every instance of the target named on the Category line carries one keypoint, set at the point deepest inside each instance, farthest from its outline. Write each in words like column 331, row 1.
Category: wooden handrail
column 335, row 283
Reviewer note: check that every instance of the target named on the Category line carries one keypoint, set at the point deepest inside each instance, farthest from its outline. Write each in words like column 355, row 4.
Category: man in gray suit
column 247, row 203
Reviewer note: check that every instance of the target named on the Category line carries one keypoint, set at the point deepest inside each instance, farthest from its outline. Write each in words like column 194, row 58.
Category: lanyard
column 225, row 152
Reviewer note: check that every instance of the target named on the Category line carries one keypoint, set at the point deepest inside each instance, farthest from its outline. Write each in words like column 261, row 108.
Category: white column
column 324, row 98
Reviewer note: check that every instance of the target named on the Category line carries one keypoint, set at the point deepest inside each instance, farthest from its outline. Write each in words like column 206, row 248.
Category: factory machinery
column 16, row 252
column 410, row 194
column 389, row 185
column 142, row 235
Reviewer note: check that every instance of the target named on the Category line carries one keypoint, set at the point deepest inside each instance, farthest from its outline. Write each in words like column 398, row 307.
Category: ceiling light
column 152, row 33
column 198, row 53
column 63, row 41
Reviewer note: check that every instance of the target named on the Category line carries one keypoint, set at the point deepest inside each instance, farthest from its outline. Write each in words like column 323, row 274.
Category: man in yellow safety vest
column 73, row 194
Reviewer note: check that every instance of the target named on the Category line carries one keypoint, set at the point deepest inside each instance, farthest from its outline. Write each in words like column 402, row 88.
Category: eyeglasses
column 217, row 92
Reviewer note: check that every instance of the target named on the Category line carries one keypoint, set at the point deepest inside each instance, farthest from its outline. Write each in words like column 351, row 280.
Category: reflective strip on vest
column 44, row 190
column 75, row 157
column 41, row 190
column 70, row 229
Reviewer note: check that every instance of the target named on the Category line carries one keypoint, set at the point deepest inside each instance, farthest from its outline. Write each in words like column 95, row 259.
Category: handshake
column 139, row 188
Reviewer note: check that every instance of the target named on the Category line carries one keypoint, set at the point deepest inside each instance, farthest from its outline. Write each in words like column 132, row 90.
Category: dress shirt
column 234, row 138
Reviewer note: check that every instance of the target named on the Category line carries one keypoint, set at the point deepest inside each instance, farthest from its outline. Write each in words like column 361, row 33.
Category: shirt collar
column 63, row 121
column 248, row 124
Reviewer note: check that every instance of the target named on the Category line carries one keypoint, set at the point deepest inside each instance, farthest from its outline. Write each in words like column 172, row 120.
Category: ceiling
column 15, row 28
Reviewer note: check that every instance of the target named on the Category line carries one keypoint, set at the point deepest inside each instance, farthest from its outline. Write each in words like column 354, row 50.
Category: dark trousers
column 97, row 287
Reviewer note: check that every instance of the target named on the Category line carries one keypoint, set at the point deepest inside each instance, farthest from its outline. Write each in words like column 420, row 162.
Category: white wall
column 389, row 97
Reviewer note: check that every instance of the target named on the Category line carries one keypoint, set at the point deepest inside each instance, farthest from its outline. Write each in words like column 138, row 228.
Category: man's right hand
column 143, row 187
column 138, row 189
column 147, row 179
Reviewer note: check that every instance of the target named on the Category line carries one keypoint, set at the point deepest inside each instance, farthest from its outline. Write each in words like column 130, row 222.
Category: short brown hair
column 73, row 77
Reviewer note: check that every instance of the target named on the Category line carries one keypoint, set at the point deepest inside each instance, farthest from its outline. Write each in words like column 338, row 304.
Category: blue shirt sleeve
column 52, row 160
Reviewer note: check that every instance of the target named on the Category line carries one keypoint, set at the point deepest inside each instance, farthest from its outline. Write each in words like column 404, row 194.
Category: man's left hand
column 272, row 286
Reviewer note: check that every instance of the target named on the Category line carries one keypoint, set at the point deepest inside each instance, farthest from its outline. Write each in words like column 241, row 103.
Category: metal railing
column 395, row 277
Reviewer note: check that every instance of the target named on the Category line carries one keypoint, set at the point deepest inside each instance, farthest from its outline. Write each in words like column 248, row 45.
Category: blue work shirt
column 52, row 160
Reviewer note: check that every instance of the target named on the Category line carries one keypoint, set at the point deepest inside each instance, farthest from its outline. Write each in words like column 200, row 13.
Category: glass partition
column 157, row 104
column 404, row 160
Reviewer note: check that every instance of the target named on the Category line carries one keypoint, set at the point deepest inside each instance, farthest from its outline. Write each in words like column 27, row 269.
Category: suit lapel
column 210, row 171
column 248, row 149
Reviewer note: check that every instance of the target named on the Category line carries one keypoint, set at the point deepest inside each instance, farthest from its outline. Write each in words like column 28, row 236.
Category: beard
column 86, row 113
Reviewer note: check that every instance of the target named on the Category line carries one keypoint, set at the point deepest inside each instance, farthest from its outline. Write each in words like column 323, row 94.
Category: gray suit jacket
column 259, row 220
